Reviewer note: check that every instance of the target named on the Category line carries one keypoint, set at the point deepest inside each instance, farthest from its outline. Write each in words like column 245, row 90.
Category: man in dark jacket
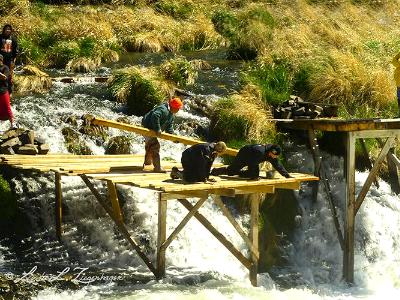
column 251, row 156
column 160, row 118
column 197, row 161
column 9, row 50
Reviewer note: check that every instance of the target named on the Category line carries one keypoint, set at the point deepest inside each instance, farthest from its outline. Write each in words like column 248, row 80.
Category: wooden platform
column 127, row 169
column 341, row 125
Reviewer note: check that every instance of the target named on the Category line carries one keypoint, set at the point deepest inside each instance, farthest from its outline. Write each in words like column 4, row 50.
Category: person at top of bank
column 5, row 107
column 9, row 50
column 251, row 156
column 159, row 119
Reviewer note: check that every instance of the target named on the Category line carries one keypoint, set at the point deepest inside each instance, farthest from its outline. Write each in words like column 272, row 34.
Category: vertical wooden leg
column 255, row 203
column 112, row 195
column 58, row 206
column 317, row 162
column 162, row 235
column 348, row 253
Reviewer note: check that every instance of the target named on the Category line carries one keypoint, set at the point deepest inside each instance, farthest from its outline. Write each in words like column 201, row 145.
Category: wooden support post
column 317, row 161
column 182, row 224
column 372, row 174
column 121, row 226
column 239, row 229
column 228, row 245
column 348, row 253
column 58, row 205
column 320, row 172
column 367, row 159
column 255, row 204
column 162, row 235
column 393, row 168
column 112, row 195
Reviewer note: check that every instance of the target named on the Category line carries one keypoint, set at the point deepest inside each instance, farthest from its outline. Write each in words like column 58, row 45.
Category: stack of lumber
column 296, row 108
column 22, row 141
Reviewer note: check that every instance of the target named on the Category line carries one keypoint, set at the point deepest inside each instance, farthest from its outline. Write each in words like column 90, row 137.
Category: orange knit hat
column 175, row 103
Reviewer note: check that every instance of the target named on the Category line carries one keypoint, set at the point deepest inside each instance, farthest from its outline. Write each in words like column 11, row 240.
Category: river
column 197, row 266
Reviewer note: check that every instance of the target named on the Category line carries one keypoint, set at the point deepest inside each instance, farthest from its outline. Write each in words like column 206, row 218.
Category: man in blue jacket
column 160, row 118
column 197, row 161
column 251, row 156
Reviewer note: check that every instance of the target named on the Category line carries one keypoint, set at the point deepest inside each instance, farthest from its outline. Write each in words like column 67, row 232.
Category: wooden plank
column 383, row 133
column 162, row 234
column 121, row 226
column 372, row 174
column 239, row 229
column 182, row 224
column 112, row 195
column 288, row 185
column 175, row 196
column 268, row 189
column 58, row 205
column 348, row 252
column 228, row 245
column 254, row 212
column 146, row 132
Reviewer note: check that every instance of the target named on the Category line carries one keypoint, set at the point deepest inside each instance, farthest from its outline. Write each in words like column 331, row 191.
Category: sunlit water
column 198, row 267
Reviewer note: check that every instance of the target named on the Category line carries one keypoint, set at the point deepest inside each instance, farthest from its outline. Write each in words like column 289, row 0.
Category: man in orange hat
column 160, row 118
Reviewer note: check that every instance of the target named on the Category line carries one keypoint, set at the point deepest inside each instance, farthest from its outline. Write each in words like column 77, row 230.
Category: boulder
column 118, row 145
column 28, row 149
column 43, row 149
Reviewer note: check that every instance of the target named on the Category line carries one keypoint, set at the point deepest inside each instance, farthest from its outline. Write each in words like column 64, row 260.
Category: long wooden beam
column 161, row 236
column 146, row 132
column 372, row 174
column 254, row 212
column 228, row 245
column 121, row 226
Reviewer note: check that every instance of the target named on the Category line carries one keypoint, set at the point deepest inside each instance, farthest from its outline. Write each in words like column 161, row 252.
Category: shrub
column 15, row 6
column 62, row 52
column 29, row 51
column 132, row 87
column 179, row 70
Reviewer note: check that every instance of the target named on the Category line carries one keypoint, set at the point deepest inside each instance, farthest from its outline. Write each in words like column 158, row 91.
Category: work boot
column 218, row 171
column 176, row 174
column 157, row 163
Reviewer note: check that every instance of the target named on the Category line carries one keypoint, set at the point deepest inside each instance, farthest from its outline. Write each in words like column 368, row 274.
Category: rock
column 74, row 142
column 28, row 149
column 11, row 142
column 118, row 145
column 39, row 140
column 27, row 137
column 8, row 150
column 43, row 149
column 71, row 120
column 11, row 133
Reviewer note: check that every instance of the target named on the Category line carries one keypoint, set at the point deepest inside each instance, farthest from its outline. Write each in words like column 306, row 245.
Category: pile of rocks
column 297, row 108
column 22, row 141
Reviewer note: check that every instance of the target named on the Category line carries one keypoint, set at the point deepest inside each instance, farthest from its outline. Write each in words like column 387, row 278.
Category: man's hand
column 211, row 180
column 289, row 176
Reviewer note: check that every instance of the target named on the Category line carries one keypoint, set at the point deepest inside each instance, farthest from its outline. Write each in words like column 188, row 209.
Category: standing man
column 160, row 118
column 5, row 107
column 197, row 161
column 251, row 156
column 9, row 50
column 396, row 63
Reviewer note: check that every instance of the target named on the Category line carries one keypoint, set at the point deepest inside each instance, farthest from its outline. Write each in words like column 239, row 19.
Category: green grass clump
column 62, row 52
column 175, row 9
column 131, row 86
column 179, row 70
column 275, row 81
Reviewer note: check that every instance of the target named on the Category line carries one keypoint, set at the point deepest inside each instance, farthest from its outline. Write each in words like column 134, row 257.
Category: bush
column 20, row 6
column 179, row 70
column 140, row 94
column 29, row 52
column 62, row 52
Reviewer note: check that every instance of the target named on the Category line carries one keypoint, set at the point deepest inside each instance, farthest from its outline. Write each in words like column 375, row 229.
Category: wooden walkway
column 127, row 169
column 386, row 132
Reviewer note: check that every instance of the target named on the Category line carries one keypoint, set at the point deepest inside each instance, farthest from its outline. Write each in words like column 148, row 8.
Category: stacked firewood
column 22, row 141
column 297, row 108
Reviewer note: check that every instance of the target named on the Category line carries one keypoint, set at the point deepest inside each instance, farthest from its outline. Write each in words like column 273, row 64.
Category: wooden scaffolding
column 127, row 169
column 385, row 131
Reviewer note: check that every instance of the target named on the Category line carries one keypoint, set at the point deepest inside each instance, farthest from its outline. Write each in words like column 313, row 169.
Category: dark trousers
column 235, row 168
column 193, row 170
